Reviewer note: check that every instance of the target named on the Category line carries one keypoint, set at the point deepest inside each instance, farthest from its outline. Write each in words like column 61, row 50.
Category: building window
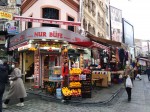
column 107, row 29
column 29, row 24
column 89, row 27
column 98, row 34
column 90, row 5
column 103, row 23
column 93, row 8
column 50, row 13
column 106, row 11
column 93, row 30
column 98, row 18
column 71, row 28
column 84, row 24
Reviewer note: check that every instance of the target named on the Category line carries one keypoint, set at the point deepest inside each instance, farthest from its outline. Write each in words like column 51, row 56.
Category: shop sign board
column 6, row 15
column 48, row 21
column 13, row 30
column 49, row 33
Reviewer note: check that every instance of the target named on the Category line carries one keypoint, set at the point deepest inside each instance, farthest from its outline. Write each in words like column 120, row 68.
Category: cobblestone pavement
column 140, row 103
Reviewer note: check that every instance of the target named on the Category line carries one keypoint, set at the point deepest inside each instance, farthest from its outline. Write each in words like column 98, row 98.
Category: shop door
column 48, row 63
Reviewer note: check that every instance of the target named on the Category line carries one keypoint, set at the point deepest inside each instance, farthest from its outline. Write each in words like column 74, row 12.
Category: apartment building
column 94, row 17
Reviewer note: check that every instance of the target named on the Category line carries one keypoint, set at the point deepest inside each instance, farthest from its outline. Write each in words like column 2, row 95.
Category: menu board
column 36, row 68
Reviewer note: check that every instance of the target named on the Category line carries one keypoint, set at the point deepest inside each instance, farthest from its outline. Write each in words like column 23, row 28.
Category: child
column 139, row 77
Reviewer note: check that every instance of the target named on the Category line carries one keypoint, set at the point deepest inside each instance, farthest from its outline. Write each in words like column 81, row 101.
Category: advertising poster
column 36, row 68
column 128, row 33
column 116, row 24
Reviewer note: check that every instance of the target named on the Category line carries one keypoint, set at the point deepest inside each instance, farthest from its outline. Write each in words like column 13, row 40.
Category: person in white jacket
column 128, row 85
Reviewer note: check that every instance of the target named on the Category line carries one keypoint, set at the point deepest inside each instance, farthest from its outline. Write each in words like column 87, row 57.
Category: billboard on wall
column 116, row 24
column 128, row 33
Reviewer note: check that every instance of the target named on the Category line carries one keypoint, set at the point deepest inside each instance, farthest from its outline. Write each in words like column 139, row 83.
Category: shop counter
column 101, row 78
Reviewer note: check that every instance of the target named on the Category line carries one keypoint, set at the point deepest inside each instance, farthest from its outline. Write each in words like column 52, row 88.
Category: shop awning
column 144, row 59
column 83, row 44
column 102, row 40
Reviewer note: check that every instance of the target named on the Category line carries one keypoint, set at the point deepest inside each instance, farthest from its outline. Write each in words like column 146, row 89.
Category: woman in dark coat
column 3, row 81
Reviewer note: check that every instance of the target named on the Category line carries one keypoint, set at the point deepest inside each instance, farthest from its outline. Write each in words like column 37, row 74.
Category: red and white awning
column 19, row 45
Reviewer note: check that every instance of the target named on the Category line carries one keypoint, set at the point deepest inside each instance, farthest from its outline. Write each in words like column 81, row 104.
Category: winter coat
column 17, row 89
column 3, row 75
column 3, row 78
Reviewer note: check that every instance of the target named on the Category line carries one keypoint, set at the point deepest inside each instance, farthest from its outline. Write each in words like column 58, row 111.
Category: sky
column 137, row 12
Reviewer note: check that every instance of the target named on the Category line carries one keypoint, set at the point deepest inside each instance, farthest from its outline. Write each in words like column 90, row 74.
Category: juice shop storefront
column 44, row 48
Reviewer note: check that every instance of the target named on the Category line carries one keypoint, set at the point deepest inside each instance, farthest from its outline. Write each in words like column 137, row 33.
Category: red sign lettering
column 55, row 34
column 39, row 34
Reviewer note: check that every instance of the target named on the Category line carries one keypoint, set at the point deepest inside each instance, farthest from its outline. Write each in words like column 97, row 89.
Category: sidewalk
column 99, row 95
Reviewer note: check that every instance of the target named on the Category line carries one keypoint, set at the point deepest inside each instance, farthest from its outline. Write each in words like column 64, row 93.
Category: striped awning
column 19, row 45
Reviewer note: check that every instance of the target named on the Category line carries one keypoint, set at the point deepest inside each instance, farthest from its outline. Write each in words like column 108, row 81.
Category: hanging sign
column 47, row 21
column 5, row 15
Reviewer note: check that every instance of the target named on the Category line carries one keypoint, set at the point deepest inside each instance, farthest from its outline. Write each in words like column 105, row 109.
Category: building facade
column 94, row 17
column 8, row 27
column 66, row 10
column 107, row 19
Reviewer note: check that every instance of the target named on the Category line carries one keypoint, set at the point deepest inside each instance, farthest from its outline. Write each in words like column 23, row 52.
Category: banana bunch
column 66, row 91
column 32, row 49
column 75, row 71
column 74, row 84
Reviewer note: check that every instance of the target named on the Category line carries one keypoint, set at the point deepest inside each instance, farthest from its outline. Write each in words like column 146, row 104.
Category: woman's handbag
column 129, row 82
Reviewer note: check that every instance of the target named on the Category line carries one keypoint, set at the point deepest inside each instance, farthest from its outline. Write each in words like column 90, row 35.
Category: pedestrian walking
column 3, row 80
column 129, row 86
column 17, row 89
column 148, row 72
column 129, row 71
column 135, row 72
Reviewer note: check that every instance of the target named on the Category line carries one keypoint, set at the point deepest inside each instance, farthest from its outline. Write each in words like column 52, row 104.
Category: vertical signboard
column 37, row 68
column 116, row 24
column 128, row 33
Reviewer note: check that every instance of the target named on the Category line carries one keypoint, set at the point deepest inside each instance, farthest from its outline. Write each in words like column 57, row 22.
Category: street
column 140, row 102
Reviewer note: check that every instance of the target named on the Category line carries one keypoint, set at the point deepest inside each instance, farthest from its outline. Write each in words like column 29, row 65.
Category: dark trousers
column 65, row 84
column 1, row 96
column 149, row 77
column 129, row 93
column 7, row 100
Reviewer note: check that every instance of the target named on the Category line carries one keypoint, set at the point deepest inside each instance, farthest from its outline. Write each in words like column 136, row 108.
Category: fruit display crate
column 87, row 87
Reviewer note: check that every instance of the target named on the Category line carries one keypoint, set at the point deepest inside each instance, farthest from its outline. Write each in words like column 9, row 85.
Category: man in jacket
column 148, row 73
column 3, row 80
